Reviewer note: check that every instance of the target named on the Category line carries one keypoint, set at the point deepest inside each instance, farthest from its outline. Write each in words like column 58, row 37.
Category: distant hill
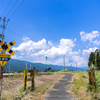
column 16, row 65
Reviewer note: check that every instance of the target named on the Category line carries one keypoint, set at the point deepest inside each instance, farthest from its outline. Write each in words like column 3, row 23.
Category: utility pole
column 64, row 62
column 76, row 66
column 26, row 66
column 46, row 62
column 3, row 27
column 30, row 66
column 2, row 37
column 9, row 68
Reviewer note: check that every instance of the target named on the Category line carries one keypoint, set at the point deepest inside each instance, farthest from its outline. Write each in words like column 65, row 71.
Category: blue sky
column 53, row 28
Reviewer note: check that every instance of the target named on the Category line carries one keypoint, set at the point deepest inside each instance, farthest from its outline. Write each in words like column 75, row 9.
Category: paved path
column 59, row 90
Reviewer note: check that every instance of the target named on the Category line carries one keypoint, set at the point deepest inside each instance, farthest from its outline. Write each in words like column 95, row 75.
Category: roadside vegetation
column 80, row 85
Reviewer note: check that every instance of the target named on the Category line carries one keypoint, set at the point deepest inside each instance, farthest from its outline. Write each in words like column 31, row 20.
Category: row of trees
column 95, row 59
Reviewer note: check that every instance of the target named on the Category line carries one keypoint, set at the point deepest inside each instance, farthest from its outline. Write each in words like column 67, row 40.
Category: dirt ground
column 11, row 85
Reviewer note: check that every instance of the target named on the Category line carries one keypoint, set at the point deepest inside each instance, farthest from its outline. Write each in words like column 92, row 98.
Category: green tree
column 98, row 60
column 49, row 68
column 91, row 59
column 95, row 59
column 19, row 71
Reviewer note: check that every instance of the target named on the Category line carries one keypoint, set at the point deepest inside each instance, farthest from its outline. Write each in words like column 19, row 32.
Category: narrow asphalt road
column 60, row 90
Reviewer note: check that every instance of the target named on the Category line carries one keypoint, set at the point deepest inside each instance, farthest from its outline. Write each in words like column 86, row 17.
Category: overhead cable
column 11, row 8
column 14, row 32
column 17, row 8
column 6, row 7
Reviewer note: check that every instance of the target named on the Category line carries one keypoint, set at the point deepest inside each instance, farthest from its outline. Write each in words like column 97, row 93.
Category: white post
column 30, row 66
column 9, row 68
column 26, row 65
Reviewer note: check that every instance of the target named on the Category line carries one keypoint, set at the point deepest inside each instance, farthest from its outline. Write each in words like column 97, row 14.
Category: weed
column 83, row 76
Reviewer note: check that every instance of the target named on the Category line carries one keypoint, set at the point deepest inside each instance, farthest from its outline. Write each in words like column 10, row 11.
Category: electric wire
column 14, row 33
column 11, row 8
column 17, row 8
column 6, row 7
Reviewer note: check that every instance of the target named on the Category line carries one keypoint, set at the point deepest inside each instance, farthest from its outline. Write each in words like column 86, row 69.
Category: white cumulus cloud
column 29, row 46
column 88, row 36
column 37, row 51
column 88, row 51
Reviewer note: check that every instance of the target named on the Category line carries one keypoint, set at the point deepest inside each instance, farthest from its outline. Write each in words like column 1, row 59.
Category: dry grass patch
column 40, row 90
column 12, row 86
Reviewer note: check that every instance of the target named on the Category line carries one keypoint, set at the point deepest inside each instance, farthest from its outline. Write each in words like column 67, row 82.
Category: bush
column 83, row 76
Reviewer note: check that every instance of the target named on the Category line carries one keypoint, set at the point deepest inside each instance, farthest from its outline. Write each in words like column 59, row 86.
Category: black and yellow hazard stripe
column 6, row 47
column 11, row 43
column 1, row 43
column 10, row 51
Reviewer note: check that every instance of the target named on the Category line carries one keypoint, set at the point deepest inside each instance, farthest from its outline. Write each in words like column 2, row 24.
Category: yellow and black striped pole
column 32, row 72
column 25, row 79
column 1, row 43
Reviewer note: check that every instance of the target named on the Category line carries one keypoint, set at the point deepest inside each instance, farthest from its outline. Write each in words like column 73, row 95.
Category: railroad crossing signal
column 6, row 47
column 4, row 58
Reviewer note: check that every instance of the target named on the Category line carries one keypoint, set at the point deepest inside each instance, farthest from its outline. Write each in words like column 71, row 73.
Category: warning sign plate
column 4, row 58
column 5, row 55
column 2, row 63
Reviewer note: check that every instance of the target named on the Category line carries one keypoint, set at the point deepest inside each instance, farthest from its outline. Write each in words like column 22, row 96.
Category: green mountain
column 16, row 65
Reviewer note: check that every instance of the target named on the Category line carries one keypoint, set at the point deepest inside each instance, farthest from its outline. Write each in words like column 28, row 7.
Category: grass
column 61, row 71
column 97, row 77
column 80, row 85
column 36, row 94
column 41, row 89
column 44, row 73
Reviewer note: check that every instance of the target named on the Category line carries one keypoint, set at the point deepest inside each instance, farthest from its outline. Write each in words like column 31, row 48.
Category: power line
column 6, row 7
column 14, row 32
column 11, row 8
column 17, row 8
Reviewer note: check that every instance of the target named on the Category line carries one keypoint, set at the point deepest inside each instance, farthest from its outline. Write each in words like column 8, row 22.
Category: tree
column 98, row 60
column 49, row 68
column 19, row 71
column 95, row 59
column 91, row 59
